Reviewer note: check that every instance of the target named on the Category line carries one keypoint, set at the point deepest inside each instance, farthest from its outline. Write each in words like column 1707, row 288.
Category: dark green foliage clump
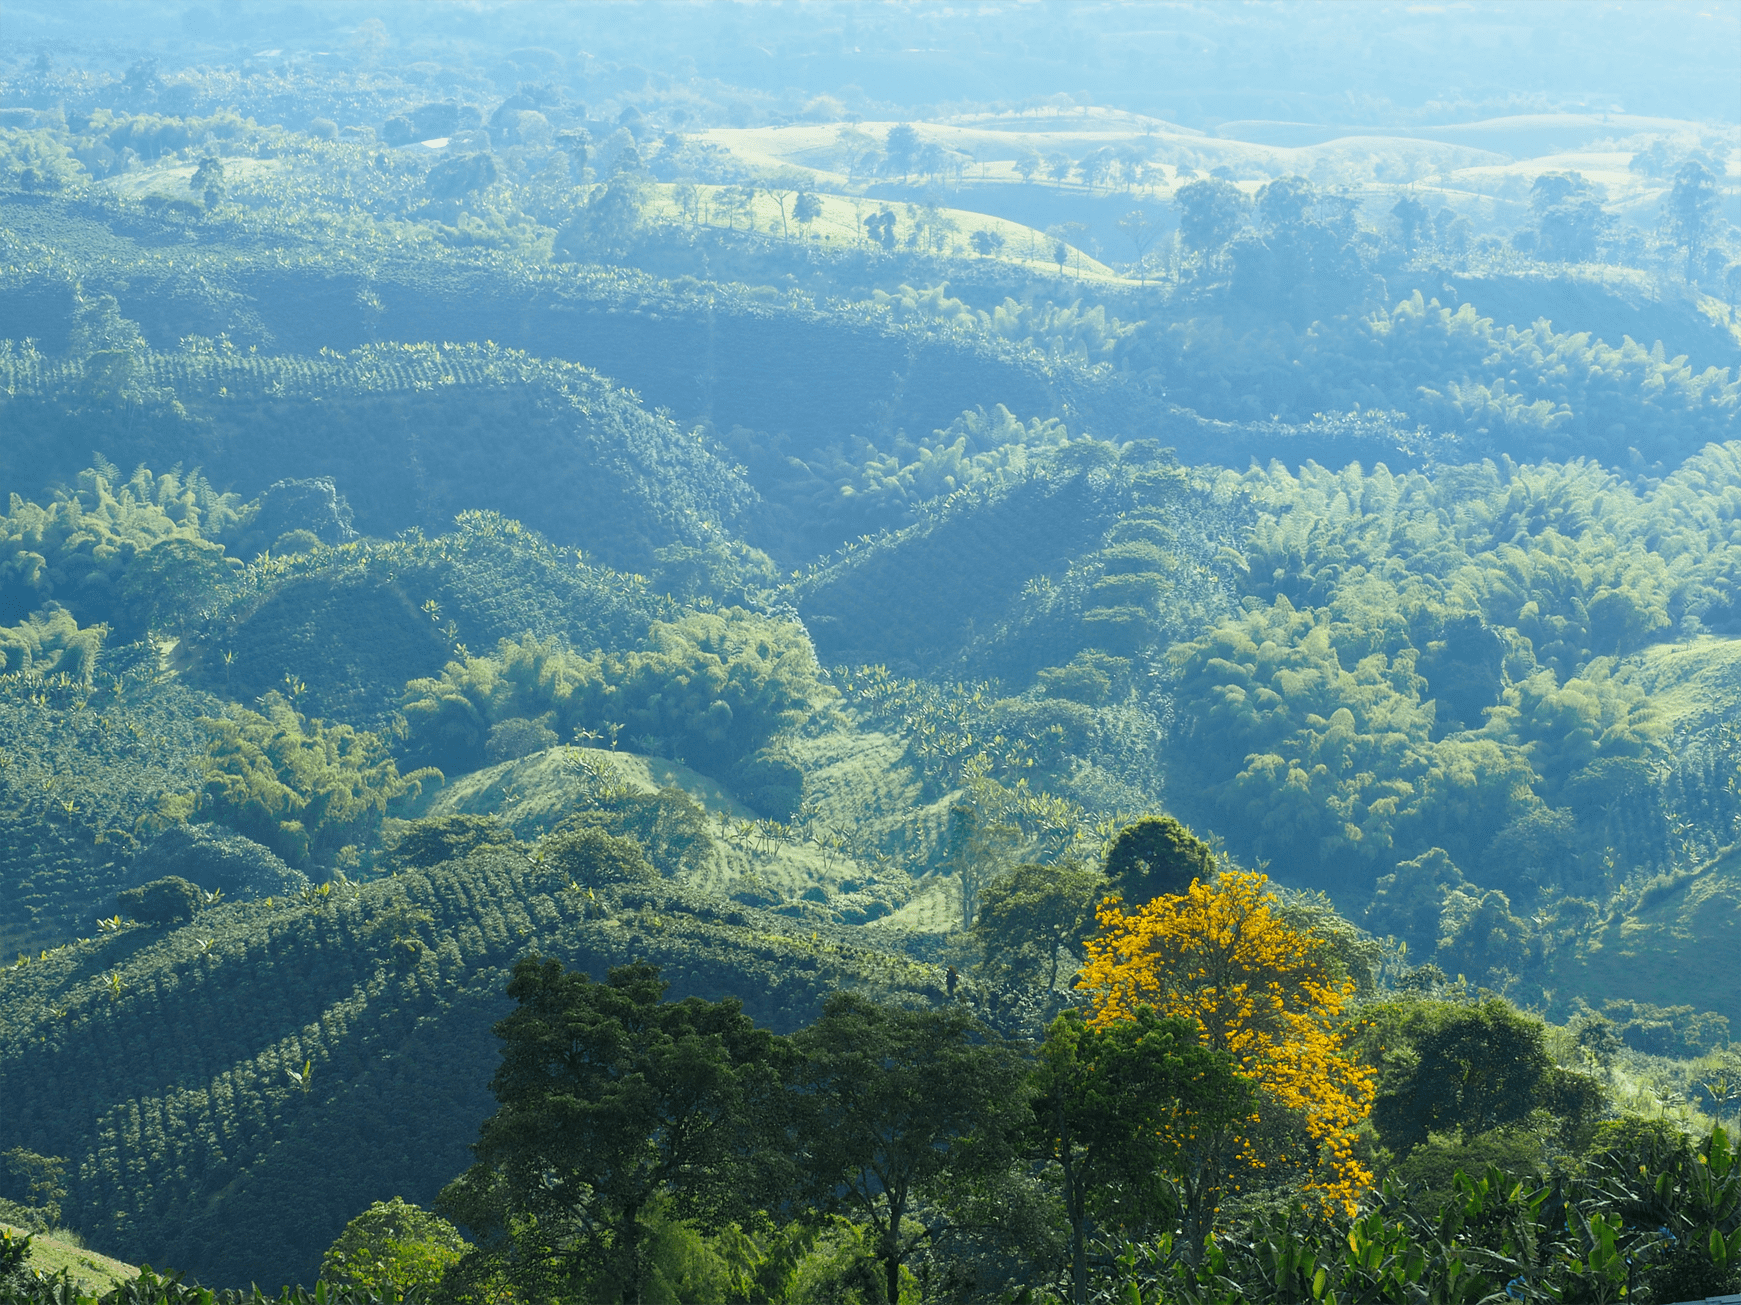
column 35, row 1187
column 771, row 782
column 668, row 825
column 163, row 901
column 593, row 858
column 1027, row 918
column 436, row 839
column 1155, row 857
column 1468, row 1069
column 600, row 1089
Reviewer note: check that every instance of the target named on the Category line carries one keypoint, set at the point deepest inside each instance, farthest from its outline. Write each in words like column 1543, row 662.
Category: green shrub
column 593, row 858
column 668, row 825
column 392, row 1249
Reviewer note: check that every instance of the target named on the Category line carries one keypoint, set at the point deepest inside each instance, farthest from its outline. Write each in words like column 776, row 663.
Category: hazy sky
column 1332, row 62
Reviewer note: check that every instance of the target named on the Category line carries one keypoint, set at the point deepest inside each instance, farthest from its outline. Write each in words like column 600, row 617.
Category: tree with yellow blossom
column 1267, row 994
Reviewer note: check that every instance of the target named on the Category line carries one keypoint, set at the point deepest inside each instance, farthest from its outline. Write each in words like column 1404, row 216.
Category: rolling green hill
column 637, row 516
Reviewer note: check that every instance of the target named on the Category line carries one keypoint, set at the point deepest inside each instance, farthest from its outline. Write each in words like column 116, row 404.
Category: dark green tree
column 986, row 243
column 208, row 180
column 172, row 582
column 1107, row 1104
column 39, row 1182
column 902, row 146
column 1030, row 915
column 610, row 1101
column 1210, row 211
column 457, row 177
column 436, row 839
column 1691, row 209
column 614, row 216
column 1412, row 221
column 1466, row 1068
column 896, row 1107
column 1285, row 202
column 1142, row 232
column 1568, row 217
column 1156, row 856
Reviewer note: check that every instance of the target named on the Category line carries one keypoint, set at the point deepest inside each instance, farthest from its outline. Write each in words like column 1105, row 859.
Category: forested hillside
column 1182, row 644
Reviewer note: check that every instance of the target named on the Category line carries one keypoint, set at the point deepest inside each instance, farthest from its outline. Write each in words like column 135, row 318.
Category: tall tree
column 1210, row 211
column 894, row 1106
column 1141, row 232
column 1027, row 918
column 208, row 180
column 1222, row 955
column 1285, row 201
column 1691, row 209
column 1568, row 216
column 1412, row 219
column 1113, row 1107
column 1466, row 1068
column 611, row 1100
column 902, row 146
column 781, row 188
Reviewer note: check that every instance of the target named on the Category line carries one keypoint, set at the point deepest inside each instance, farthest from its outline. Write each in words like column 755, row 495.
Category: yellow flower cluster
column 1222, row 955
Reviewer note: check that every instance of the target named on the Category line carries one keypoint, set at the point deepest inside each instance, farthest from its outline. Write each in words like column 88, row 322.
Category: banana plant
column 1692, row 1197
column 1596, row 1270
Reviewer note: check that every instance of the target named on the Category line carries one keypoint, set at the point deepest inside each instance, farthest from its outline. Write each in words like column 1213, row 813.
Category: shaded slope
column 169, row 1086
column 412, row 435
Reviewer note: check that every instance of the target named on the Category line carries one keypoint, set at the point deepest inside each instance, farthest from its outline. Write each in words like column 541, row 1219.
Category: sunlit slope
column 95, row 1272
column 864, row 802
column 160, row 1063
column 1693, row 684
column 1676, row 945
column 535, row 792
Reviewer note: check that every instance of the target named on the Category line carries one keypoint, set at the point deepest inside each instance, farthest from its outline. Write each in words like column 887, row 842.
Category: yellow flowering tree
column 1268, row 994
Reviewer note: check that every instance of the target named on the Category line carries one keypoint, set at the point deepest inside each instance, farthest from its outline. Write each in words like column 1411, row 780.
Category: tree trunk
column 1074, row 1199
column 892, row 1248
